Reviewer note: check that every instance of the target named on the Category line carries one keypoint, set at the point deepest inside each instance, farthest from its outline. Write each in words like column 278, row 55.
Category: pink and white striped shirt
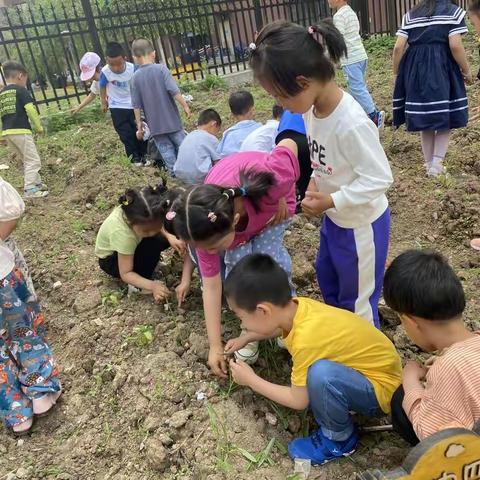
column 451, row 397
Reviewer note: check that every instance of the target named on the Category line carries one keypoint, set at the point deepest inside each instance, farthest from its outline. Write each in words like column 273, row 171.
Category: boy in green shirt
column 17, row 112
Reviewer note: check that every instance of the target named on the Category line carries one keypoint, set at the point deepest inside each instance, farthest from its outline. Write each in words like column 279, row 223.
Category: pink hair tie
column 311, row 30
column 170, row 215
column 212, row 217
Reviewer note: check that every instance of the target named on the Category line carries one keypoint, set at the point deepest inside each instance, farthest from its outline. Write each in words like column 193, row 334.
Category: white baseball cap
column 88, row 66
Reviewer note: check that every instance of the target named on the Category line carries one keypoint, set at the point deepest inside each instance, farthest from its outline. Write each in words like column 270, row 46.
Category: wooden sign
column 452, row 454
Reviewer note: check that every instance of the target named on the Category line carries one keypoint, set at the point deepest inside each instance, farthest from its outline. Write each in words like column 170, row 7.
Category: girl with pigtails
column 243, row 207
column 351, row 173
column 132, row 238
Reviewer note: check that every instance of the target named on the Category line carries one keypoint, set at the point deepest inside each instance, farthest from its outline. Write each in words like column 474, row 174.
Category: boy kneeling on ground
column 341, row 362
column 445, row 393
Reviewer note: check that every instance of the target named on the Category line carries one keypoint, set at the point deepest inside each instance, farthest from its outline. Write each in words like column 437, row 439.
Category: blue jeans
column 357, row 87
column 334, row 390
column 167, row 145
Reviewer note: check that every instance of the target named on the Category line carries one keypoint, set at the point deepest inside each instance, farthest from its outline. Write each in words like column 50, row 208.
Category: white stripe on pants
column 25, row 146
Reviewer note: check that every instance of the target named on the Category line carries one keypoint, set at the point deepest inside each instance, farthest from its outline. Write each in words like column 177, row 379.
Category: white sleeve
column 361, row 146
column 95, row 87
column 11, row 203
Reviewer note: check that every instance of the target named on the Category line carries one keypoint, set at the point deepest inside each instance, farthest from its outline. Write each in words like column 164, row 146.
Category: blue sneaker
column 320, row 450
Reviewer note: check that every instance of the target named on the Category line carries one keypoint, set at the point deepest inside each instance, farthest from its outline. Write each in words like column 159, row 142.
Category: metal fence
column 193, row 37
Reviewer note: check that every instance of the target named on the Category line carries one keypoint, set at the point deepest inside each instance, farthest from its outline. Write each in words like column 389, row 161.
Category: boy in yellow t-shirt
column 341, row 362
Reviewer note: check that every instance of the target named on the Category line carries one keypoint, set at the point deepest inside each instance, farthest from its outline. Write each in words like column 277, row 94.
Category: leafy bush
column 213, row 82
column 379, row 45
column 56, row 121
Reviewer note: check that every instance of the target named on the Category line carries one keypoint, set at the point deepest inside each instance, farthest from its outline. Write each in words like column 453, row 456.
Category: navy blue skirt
column 430, row 91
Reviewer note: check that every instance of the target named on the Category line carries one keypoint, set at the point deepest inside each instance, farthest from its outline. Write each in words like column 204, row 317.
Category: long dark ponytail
column 207, row 211
column 283, row 51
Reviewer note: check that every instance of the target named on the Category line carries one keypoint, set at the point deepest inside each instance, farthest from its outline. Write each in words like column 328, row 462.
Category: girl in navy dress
column 430, row 95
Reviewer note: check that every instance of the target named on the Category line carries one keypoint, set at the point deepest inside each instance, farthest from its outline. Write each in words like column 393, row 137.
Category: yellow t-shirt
column 323, row 332
column 115, row 235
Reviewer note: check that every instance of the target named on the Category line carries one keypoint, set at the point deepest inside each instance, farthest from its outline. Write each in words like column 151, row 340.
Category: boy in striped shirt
column 445, row 392
column 355, row 64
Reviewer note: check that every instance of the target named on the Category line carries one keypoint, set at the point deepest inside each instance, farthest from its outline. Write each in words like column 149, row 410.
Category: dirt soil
column 139, row 402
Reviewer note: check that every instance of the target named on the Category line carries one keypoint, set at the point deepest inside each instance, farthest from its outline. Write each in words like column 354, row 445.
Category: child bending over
column 341, row 362
column 90, row 70
column 130, row 241
column 445, row 392
column 243, row 207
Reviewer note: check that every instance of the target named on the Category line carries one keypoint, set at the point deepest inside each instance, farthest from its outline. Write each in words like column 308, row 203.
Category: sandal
column 475, row 244
column 22, row 428
column 42, row 405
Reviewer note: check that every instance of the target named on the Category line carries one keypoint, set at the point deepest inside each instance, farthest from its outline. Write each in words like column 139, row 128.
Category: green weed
column 213, row 82
column 110, row 299
column 142, row 336
column 121, row 160
column 226, row 448
column 78, row 226
column 102, row 204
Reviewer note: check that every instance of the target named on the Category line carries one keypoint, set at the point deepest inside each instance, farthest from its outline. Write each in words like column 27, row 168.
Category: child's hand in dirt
column 315, row 203
column 217, row 362
column 178, row 245
column 242, row 373
column 160, row 291
column 235, row 344
column 181, row 292
column 282, row 213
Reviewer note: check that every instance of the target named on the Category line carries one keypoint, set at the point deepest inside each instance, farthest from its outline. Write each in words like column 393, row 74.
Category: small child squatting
column 131, row 239
column 445, row 392
column 341, row 362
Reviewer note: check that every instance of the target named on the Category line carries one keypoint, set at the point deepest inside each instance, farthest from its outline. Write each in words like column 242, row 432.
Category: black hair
column 207, row 211
column 142, row 47
column 241, row 102
column 209, row 115
column 257, row 278
column 474, row 7
column 285, row 51
column 11, row 68
column 426, row 8
column 148, row 204
column 277, row 111
column 114, row 50
column 424, row 285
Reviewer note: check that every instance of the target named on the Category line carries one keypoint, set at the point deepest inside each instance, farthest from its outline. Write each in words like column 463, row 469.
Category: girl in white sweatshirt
column 351, row 172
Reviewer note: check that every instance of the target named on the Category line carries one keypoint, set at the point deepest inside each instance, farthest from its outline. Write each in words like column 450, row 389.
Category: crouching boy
column 341, row 362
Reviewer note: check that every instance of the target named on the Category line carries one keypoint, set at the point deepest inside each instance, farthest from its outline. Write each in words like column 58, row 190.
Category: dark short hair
column 114, row 50
column 241, row 102
column 142, row 47
column 474, row 7
column 209, row 115
column 285, row 51
column 11, row 68
column 257, row 278
column 424, row 285
column 277, row 111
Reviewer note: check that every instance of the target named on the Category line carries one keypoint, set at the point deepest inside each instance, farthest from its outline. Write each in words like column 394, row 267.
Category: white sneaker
column 137, row 164
column 436, row 168
column 248, row 354
column 35, row 192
